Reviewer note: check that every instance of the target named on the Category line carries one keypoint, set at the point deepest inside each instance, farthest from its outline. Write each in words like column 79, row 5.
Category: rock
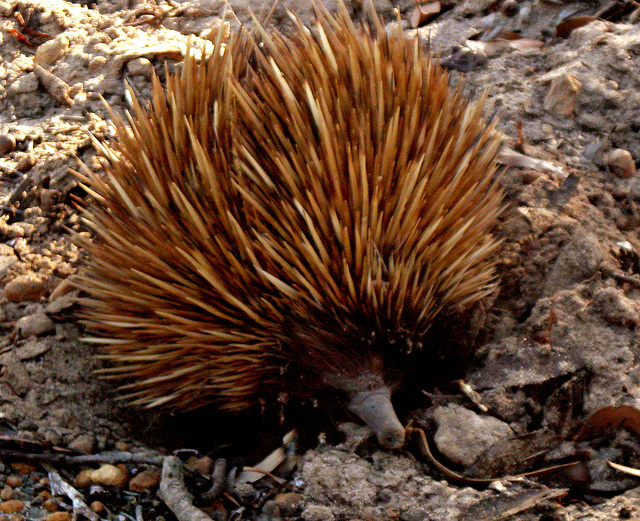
column 26, row 162
column 140, row 66
column 34, row 325
column 621, row 163
column 53, row 437
column 83, row 479
column 25, row 288
column 6, row 493
column 109, row 475
column 25, row 84
column 51, row 505
column 14, row 481
column 561, row 98
column 122, row 445
column 288, row 502
column 12, row 506
column 15, row 374
column 463, row 435
column 7, row 143
column 97, row 507
column 85, row 443
column 144, row 480
column 50, row 52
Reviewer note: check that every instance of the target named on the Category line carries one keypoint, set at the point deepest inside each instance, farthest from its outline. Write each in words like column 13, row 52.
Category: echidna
column 288, row 212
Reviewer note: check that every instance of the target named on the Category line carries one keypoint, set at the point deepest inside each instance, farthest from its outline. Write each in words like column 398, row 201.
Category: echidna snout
column 285, row 214
column 375, row 409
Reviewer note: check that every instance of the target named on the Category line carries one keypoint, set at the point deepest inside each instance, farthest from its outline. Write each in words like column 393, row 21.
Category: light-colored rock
column 34, row 325
column 463, row 435
column 621, row 163
column 50, row 52
column 561, row 98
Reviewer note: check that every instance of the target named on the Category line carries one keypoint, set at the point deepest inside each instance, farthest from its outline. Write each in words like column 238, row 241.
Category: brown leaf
column 421, row 14
column 608, row 419
column 564, row 28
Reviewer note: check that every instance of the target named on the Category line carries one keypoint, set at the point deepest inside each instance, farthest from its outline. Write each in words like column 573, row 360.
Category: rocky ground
column 556, row 377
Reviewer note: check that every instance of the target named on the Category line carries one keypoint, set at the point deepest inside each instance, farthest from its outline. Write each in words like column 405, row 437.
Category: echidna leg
column 375, row 408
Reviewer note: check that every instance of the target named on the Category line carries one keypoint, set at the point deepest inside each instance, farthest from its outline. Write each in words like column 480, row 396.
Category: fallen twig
column 60, row 487
column 174, row 493
column 82, row 459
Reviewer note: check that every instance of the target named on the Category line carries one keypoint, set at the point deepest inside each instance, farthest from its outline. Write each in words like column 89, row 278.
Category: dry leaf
column 564, row 28
column 421, row 14
column 610, row 419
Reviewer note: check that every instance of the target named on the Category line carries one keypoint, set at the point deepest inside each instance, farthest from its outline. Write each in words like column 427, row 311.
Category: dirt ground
column 559, row 344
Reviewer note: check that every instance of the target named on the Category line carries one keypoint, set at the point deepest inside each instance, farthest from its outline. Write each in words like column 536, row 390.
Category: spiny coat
column 310, row 202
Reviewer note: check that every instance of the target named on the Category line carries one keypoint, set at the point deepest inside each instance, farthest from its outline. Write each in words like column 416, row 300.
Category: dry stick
column 83, row 459
column 174, row 493
column 60, row 487
column 219, row 478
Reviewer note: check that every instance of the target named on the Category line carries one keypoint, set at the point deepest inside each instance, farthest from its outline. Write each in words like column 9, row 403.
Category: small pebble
column 25, row 288
column 83, row 479
column 6, row 493
column 14, row 481
column 58, row 516
column 51, row 505
column 97, row 62
column 64, row 417
column 140, row 66
column 34, row 325
column 26, row 162
column 12, row 506
column 385, row 495
column 85, row 444
column 51, row 51
column 123, row 446
column 97, row 507
column 615, row 308
column 42, row 496
column 288, row 501
column 621, row 163
column 24, row 84
column 106, row 475
column 7, row 143
column 6, row 9
column 562, row 95
column 52, row 437
column 144, row 480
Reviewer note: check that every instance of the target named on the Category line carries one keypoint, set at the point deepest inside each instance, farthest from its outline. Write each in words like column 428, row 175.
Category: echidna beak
column 375, row 408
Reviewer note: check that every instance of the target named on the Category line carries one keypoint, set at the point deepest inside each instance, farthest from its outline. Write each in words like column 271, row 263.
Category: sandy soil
column 559, row 343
